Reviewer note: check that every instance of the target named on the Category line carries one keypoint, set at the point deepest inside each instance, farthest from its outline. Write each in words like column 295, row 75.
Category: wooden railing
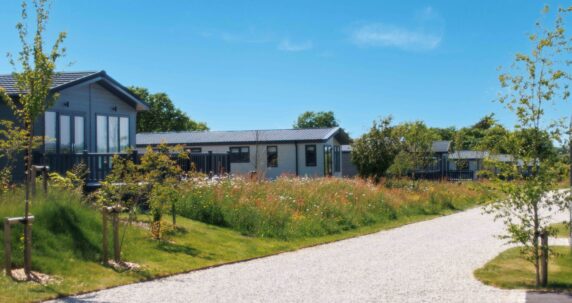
column 456, row 175
column 100, row 164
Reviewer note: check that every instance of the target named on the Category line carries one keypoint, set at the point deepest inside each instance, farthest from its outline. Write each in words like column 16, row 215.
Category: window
column 65, row 134
column 196, row 150
column 112, row 134
column 240, row 154
column 101, row 134
column 50, row 141
column 327, row 160
column 337, row 159
column 272, row 156
column 78, row 134
column 123, row 133
column 311, row 155
column 113, row 129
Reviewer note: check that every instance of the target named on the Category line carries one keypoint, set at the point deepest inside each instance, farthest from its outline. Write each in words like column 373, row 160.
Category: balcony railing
column 99, row 165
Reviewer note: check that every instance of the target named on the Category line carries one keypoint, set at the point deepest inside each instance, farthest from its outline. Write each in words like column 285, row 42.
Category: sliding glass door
column 112, row 134
column 64, row 133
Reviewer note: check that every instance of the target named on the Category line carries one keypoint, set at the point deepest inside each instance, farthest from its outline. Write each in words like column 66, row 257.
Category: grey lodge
column 297, row 152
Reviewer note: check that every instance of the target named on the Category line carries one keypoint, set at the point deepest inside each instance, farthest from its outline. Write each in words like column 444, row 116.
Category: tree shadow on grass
column 176, row 248
column 177, row 231
column 63, row 220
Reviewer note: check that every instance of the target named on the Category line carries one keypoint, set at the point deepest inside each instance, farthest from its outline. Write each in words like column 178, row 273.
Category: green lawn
column 67, row 245
column 509, row 270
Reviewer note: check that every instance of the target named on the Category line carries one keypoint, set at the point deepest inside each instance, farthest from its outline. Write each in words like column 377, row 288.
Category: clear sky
column 259, row 64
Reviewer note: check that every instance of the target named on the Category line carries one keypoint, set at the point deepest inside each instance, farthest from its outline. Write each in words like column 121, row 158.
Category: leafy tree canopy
column 162, row 115
column 311, row 119
column 374, row 152
column 416, row 140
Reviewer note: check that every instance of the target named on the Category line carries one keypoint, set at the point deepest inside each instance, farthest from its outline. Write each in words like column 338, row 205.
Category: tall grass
column 291, row 207
column 63, row 228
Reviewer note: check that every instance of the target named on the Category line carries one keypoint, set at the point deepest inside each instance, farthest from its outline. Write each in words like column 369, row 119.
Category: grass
column 509, row 270
column 291, row 208
column 67, row 241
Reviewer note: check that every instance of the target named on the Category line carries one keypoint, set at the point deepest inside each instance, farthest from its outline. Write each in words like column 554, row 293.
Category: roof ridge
column 62, row 72
column 230, row 131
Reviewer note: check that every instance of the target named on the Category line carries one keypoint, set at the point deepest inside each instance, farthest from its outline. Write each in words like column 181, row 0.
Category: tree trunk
column 535, row 246
column 544, row 261
column 27, row 234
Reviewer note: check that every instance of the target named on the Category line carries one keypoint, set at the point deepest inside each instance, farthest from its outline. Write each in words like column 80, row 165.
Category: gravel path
column 431, row 261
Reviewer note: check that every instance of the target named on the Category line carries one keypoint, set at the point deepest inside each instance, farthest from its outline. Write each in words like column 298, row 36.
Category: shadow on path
column 547, row 297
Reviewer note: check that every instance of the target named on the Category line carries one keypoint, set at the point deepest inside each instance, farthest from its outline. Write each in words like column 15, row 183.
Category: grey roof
column 245, row 136
column 441, row 146
column 474, row 154
column 63, row 80
column 9, row 83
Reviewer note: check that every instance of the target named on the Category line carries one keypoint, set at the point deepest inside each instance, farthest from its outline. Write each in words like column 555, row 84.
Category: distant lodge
column 460, row 165
column 315, row 152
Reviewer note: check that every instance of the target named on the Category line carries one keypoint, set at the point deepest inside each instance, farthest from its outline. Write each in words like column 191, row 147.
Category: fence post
column 544, row 258
column 135, row 156
column 7, row 248
column 28, row 245
column 116, row 248
column 85, row 157
column 45, row 179
column 105, row 243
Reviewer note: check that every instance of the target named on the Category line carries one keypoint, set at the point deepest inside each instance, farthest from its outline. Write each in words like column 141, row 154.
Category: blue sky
column 259, row 64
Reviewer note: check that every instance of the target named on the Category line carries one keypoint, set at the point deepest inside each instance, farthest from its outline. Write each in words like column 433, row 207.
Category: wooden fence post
column 544, row 259
column 135, row 156
column 7, row 248
column 45, row 170
column 116, row 248
column 28, row 245
column 105, row 243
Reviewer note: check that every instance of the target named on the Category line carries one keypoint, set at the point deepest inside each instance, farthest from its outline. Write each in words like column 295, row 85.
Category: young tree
column 162, row 115
column 34, row 82
column 13, row 140
column 373, row 153
column 416, row 140
column 535, row 81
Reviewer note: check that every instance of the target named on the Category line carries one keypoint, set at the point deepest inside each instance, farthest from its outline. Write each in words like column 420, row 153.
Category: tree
column 13, row 140
column 162, row 115
column 486, row 134
column 311, row 119
column 416, row 140
column 373, row 153
column 34, row 83
column 535, row 81
column 447, row 133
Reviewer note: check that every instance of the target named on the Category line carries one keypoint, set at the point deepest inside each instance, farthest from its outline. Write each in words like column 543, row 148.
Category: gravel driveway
column 431, row 261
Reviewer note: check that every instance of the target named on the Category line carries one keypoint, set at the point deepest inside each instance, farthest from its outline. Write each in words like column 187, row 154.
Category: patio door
column 71, row 136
